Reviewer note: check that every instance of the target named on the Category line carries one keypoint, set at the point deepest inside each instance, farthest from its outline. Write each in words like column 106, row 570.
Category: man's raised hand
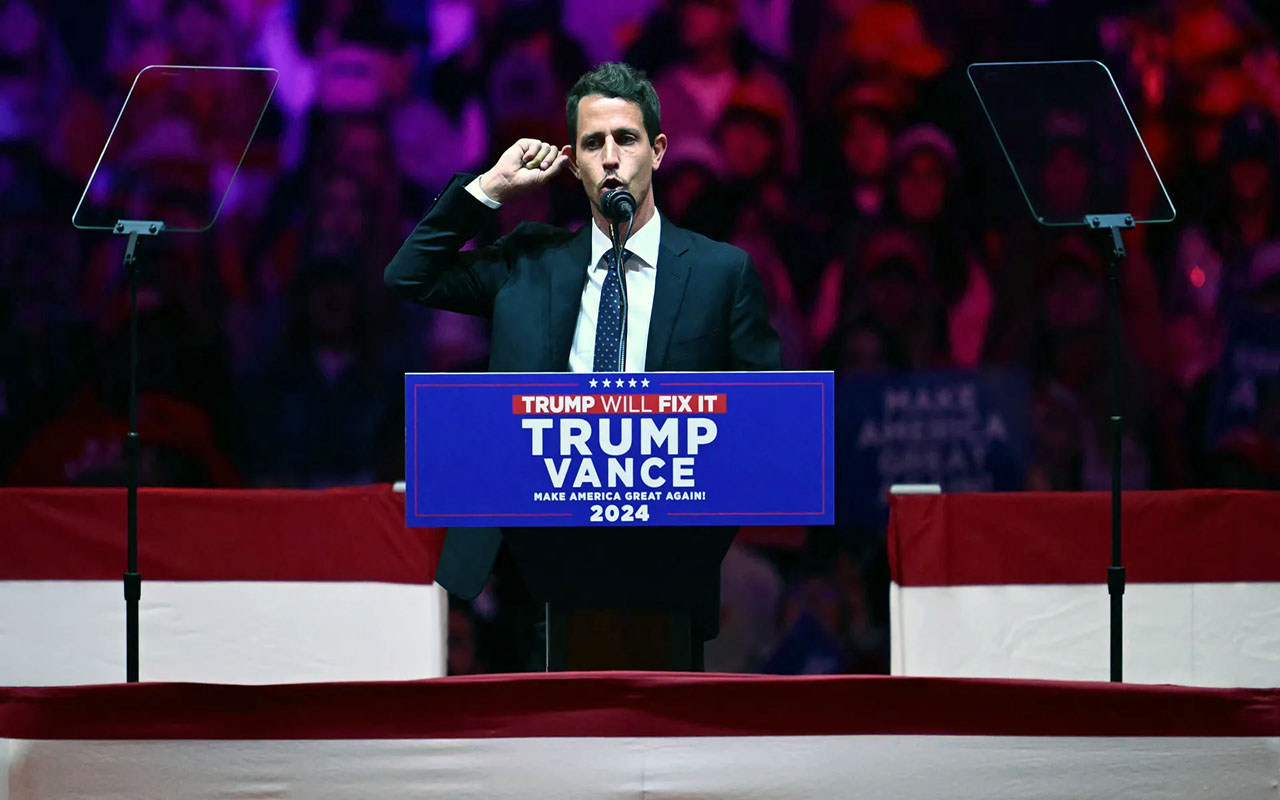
column 524, row 165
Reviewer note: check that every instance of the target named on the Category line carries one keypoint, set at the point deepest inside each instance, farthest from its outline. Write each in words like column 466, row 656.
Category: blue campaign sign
column 1248, row 379
column 580, row 449
column 967, row 431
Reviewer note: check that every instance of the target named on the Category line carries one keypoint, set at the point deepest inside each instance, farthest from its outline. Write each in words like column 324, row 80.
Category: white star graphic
column 632, row 382
column 644, row 382
column 606, row 383
column 593, row 383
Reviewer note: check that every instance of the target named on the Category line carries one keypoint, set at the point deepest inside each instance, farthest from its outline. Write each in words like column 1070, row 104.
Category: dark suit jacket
column 709, row 313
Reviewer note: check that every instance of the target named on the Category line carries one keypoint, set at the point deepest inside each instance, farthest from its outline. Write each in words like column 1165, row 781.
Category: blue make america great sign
column 581, row 449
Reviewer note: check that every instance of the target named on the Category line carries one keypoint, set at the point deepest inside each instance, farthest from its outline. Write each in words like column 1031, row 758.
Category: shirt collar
column 643, row 243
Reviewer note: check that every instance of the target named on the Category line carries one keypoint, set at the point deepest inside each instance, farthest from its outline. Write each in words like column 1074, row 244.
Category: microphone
column 618, row 204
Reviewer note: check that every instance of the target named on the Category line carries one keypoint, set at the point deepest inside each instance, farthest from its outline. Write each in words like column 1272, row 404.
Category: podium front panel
column 619, row 449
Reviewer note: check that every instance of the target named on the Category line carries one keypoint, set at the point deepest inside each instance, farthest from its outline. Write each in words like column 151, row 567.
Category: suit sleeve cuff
column 475, row 191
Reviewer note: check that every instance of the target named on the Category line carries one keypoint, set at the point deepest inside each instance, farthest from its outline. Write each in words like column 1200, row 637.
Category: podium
column 560, row 465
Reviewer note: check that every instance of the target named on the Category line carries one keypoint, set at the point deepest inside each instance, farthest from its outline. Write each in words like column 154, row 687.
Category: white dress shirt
column 641, row 275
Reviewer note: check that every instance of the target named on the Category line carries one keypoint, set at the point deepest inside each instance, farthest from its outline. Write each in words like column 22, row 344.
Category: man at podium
column 556, row 300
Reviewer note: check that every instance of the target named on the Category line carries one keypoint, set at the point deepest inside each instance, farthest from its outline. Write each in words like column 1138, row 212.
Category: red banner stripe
column 1065, row 537
column 635, row 704
column 585, row 404
column 349, row 534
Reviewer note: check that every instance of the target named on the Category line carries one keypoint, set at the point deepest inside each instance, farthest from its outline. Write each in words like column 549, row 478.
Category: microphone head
column 618, row 204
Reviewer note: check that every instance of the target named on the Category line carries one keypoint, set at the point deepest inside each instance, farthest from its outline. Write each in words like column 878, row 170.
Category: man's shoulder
column 705, row 249
column 533, row 238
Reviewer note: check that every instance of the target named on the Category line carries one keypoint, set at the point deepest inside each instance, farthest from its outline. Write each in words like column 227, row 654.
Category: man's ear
column 659, row 149
column 568, row 152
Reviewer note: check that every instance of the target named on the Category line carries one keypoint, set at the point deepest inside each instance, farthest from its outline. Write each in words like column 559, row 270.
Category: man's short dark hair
column 624, row 81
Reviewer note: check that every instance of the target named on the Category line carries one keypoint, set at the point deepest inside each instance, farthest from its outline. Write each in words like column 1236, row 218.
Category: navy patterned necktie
column 609, row 322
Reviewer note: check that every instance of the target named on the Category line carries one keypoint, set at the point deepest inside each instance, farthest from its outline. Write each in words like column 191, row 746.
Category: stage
column 280, row 628
column 651, row 735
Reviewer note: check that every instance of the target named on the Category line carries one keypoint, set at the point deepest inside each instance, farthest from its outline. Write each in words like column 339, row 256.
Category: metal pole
column 1115, row 574
column 132, row 580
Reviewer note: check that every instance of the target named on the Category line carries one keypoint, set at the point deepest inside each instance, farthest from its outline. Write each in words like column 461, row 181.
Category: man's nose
column 610, row 153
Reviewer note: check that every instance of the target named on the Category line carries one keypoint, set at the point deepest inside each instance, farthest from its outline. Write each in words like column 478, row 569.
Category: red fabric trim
column 634, row 704
column 349, row 534
column 1064, row 538
column 606, row 403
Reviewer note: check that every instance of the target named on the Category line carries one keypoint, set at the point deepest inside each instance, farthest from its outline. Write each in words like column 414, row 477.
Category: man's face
column 362, row 149
column 1249, row 181
column 865, row 144
column 342, row 221
column 612, row 149
column 1073, row 300
column 331, row 310
column 922, row 186
column 705, row 25
column 193, row 28
column 895, row 293
column 749, row 148
column 1066, row 180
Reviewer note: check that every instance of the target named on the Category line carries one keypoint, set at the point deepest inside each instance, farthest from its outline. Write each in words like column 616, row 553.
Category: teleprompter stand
column 1033, row 107
column 130, row 193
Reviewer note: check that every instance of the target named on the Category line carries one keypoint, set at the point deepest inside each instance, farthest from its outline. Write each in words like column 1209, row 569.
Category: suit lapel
column 568, row 276
column 668, row 292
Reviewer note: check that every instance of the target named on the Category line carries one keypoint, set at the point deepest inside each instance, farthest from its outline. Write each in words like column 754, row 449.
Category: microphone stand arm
column 617, row 240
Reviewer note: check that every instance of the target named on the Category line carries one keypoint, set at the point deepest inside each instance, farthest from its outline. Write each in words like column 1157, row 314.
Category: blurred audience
column 837, row 141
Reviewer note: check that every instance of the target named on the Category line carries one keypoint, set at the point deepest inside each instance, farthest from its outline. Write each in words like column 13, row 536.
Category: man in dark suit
column 693, row 304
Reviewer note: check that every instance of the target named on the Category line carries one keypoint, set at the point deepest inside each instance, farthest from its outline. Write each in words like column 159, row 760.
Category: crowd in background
column 837, row 141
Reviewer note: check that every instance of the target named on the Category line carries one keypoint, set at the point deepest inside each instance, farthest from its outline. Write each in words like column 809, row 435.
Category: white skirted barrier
column 1014, row 586
column 632, row 735
column 238, row 587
